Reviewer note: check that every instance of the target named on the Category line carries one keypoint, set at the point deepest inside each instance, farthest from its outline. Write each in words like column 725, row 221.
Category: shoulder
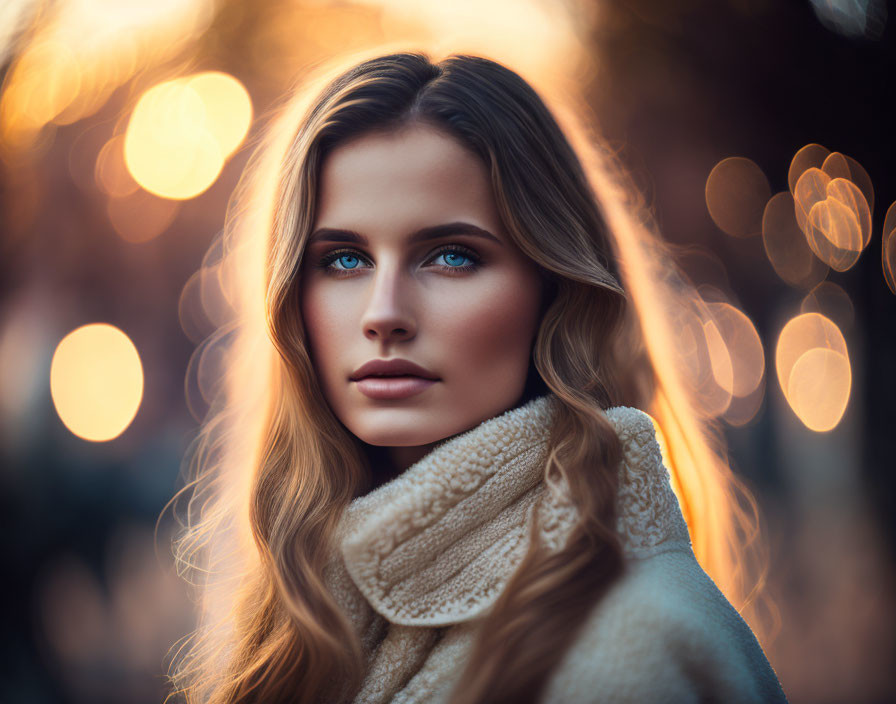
column 632, row 424
column 649, row 517
column 664, row 632
column 649, row 514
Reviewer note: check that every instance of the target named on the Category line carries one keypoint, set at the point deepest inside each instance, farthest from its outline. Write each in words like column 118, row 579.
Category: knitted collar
column 437, row 544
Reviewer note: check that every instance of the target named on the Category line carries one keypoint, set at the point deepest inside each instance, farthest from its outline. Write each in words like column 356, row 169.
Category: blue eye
column 348, row 261
column 453, row 258
column 457, row 259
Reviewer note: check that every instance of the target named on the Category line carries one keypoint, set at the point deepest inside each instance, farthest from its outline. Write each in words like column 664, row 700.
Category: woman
column 495, row 522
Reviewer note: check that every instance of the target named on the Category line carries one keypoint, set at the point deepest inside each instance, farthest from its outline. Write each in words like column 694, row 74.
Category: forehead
column 415, row 174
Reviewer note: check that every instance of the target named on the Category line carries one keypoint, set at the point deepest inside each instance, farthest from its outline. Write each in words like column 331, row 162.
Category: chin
column 390, row 432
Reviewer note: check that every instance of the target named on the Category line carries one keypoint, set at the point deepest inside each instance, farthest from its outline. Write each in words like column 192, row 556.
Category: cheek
column 325, row 327
column 490, row 330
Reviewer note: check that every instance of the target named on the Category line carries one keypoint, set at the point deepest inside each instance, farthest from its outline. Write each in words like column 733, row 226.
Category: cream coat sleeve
column 665, row 633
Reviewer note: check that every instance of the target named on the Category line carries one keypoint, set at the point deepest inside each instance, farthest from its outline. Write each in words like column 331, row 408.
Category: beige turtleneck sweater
column 422, row 557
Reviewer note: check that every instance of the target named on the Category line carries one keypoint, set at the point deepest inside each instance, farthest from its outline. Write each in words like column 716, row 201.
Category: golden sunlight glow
column 82, row 51
column 181, row 132
column 96, row 381
column 667, row 460
column 541, row 41
column 537, row 38
column 44, row 80
column 785, row 244
column 719, row 357
column 15, row 16
column 736, row 194
column 814, row 371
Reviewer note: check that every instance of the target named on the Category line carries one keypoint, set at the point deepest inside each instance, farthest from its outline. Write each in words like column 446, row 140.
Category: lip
column 392, row 387
column 388, row 379
column 391, row 367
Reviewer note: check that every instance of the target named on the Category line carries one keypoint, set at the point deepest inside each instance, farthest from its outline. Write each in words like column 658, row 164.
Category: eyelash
column 330, row 257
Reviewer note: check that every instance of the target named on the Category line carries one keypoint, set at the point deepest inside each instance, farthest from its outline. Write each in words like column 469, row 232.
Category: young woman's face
column 408, row 260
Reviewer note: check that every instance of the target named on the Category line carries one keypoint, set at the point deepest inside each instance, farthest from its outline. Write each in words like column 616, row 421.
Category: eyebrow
column 449, row 229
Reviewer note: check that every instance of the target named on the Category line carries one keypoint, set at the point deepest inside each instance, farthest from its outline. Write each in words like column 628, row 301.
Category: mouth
column 391, row 369
column 388, row 376
column 391, row 387
column 390, row 379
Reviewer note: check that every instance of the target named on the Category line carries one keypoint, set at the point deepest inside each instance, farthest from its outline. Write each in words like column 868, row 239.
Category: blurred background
column 759, row 131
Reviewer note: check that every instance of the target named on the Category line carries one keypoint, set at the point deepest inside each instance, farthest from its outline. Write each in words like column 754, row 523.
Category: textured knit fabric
column 422, row 558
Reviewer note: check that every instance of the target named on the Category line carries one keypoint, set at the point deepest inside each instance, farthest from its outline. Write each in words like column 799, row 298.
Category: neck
column 403, row 457
column 386, row 463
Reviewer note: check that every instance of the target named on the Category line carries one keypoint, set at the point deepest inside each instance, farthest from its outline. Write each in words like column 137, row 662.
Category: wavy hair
column 272, row 468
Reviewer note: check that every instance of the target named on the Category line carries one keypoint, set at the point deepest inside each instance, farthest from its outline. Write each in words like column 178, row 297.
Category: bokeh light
column 719, row 356
column 736, row 193
column 721, row 353
column 689, row 326
column 838, row 165
column 811, row 156
column 743, row 348
column 140, row 216
column 785, row 244
column 228, row 107
column 831, row 301
column 111, row 173
column 744, row 409
column 82, row 51
column 888, row 248
column 182, row 131
column 865, row 19
column 818, row 388
column 96, row 381
column 119, row 620
column 814, row 371
column 834, row 216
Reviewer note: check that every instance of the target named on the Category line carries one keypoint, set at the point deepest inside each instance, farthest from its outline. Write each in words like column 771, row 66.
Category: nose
column 388, row 316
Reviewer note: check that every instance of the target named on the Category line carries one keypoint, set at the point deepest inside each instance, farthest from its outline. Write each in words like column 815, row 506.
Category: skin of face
column 464, row 307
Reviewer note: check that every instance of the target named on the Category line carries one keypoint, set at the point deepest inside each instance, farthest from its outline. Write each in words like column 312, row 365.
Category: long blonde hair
column 273, row 469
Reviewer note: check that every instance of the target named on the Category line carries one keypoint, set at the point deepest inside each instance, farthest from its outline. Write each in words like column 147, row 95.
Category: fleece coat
column 419, row 560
